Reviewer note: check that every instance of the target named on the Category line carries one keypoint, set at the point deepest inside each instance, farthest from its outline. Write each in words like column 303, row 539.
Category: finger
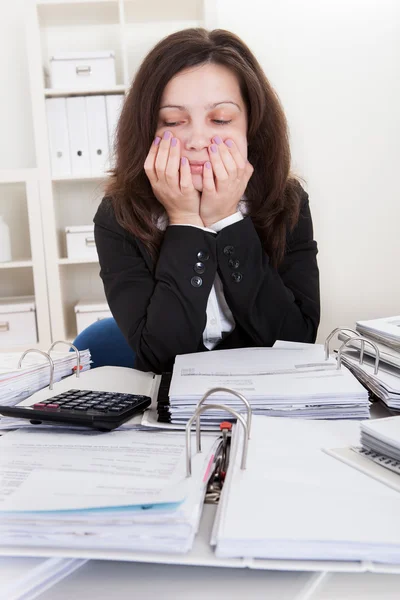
column 149, row 163
column 208, row 177
column 185, row 180
column 226, row 157
column 237, row 157
column 220, row 172
column 172, row 168
column 248, row 170
column 162, row 155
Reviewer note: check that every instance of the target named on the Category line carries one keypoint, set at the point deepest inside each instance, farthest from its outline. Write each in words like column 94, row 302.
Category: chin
column 197, row 182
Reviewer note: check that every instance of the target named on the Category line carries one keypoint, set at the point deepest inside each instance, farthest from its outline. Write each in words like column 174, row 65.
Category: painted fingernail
column 229, row 143
column 174, row 141
column 157, row 141
column 214, row 148
column 217, row 140
column 208, row 165
column 167, row 135
column 184, row 160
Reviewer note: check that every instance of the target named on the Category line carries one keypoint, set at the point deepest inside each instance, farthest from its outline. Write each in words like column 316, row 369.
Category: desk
column 103, row 580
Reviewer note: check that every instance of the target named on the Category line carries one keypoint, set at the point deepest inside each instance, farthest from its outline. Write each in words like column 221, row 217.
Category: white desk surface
column 103, row 580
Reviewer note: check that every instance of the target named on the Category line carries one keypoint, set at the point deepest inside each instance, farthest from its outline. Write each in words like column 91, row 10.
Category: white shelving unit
column 129, row 28
column 25, row 275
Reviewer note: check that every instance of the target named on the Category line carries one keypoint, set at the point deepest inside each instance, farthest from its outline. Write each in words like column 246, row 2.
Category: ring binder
column 337, row 330
column 78, row 358
column 363, row 341
column 198, row 413
column 234, row 393
column 43, row 354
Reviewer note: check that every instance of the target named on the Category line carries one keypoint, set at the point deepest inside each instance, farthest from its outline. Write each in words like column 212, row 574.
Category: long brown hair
column 272, row 193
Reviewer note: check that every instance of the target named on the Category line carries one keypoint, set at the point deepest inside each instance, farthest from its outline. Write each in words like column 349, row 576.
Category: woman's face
column 198, row 104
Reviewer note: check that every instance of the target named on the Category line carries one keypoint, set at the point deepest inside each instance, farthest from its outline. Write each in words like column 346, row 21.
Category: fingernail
column 229, row 143
column 208, row 165
column 184, row 160
column 157, row 141
column 167, row 135
column 174, row 141
column 214, row 148
column 217, row 140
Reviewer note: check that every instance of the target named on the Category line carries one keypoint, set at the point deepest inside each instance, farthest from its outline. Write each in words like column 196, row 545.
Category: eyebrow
column 208, row 106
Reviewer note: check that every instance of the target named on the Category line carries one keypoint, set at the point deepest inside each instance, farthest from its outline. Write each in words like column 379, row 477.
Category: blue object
column 107, row 345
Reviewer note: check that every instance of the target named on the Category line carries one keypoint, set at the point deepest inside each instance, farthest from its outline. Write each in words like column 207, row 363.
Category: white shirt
column 220, row 320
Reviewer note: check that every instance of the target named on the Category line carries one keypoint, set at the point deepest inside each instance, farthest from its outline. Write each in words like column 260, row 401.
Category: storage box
column 90, row 312
column 80, row 242
column 18, row 322
column 83, row 70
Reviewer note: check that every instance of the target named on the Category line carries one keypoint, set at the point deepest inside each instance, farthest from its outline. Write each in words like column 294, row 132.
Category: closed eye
column 216, row 121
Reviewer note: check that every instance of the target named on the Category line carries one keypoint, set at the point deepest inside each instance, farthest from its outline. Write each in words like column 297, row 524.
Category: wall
column 16, row 131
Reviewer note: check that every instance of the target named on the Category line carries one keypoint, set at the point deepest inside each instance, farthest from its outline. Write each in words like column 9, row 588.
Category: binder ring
column 363, row 341
column 78, row 357
column 43, row 354
column 234, row 393
column 199, row 411
column 332, row 333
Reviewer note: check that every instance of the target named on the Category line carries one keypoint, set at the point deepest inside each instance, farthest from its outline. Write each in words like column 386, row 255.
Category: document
column 293, row 501
column 288, row 379
column 122, row 490
column 90, row 470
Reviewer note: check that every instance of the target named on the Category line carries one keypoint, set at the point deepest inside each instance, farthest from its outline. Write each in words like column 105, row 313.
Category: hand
column 232, row 172
column 171, row 180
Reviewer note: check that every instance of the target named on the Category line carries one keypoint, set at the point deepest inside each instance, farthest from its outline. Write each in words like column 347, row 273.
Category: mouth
column 196, row 166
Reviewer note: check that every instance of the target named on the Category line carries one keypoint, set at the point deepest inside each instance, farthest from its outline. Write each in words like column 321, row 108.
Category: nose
column 197, row 138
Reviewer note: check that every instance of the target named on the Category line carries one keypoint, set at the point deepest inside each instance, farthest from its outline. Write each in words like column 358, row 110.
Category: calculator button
column 51, row 406
column 114, row 409
column 39, row 405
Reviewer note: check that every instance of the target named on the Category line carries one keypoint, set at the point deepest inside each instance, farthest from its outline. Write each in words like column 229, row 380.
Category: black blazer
column 161, row 308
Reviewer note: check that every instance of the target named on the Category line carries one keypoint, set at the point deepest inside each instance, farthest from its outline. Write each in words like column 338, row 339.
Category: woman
column 205, row 240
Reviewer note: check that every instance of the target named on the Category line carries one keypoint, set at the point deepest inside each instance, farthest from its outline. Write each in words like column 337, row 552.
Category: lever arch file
column 78, row 135
column 57, row 126
column 97, row 133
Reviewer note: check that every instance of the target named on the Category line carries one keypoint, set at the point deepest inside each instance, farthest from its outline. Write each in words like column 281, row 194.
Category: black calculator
column 87, row 408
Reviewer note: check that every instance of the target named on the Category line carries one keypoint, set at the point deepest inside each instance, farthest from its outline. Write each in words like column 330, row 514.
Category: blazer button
column 196, row 281
column 203, row 255
column 199, row 267
column 228, row 250
column 233, row 263
column 236, row 276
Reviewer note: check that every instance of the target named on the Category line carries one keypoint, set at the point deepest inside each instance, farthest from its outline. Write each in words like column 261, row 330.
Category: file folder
column 57, row 128
column 78, row 135
column 97, row 134
column 113, row 107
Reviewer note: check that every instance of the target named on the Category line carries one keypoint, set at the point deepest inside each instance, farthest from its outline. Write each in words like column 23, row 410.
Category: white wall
column 335, row 65
column 16, row 132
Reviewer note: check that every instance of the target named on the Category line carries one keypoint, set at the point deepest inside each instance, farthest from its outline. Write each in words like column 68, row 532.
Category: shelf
column 56, row 93
column 55, row 2
column 100, row 177
column 16, row 264
column 16, row 175
column 77, row 261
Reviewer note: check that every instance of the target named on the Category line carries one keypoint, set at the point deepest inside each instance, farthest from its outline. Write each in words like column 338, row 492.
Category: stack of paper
column 385, row 385
column 386, row 331
column 124, row 490
column 34, row 374
column 288, row 380
column 293, row 501
column 27, row 578
column 382, row 436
